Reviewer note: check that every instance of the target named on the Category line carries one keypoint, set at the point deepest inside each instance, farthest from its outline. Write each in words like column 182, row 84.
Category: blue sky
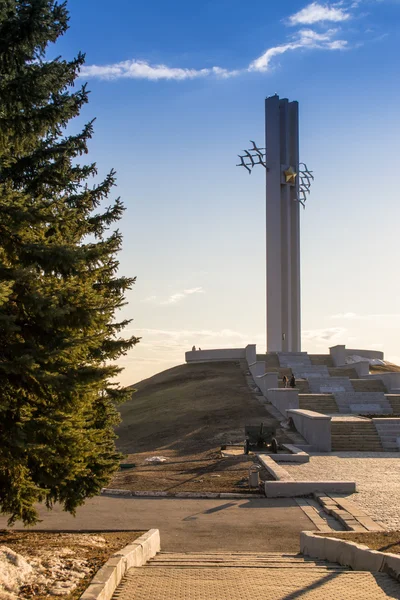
column 178, row 89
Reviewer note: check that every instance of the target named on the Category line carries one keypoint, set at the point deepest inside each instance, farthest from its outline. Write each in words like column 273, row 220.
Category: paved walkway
column 192, row 525
column 377, row 475
column 251, row 577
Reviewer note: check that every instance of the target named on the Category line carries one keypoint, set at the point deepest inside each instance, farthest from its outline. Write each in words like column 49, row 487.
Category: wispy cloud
column 174, row 298
column 141, row 69
column 371, row 317
column 305, row 38
column 328, row 334
column 317, row 13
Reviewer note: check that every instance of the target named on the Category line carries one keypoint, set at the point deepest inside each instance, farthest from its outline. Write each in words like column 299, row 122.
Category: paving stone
column 376, row 474
column 313, row 582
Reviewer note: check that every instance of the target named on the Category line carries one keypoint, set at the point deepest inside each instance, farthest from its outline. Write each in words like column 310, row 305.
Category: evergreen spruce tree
column 59, row 288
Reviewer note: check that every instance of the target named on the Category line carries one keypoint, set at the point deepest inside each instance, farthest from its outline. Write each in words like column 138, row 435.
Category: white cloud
column 305, row 38
column 141, row 69
column 174, row 298
column 317, row 13
column 190, row 333
column 370, row 317
column 329, row 334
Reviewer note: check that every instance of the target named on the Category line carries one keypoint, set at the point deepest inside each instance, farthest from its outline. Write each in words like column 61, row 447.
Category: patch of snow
column 55, row 571
column 354, row 358
column 15, row 571
column 156, row 459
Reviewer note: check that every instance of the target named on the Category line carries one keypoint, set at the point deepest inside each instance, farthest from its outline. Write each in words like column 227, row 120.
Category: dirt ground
column 384, row 541
column 202, row 472
column 186, row 414
column 60, row 553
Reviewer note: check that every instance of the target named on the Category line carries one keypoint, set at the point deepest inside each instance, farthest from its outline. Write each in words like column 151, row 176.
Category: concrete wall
column 266, row 382
column 339, row 354
column 391, row 380
column 365, row 353
column 228, row 354
column 251, row 353
column 314, row 427
column 361, row 367
column 283, row 399
column 257, row 369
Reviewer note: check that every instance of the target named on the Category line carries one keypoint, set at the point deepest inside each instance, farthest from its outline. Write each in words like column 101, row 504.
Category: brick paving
column 271, row 578
column 376, row 474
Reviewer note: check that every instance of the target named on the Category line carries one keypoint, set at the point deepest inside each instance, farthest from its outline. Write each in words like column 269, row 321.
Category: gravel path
column 377, row 476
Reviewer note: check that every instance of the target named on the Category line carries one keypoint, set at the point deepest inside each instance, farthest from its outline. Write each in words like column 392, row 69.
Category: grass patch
column 384, row 541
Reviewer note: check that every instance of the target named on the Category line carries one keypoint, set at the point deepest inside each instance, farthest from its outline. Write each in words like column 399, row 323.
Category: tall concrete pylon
column 283, row 225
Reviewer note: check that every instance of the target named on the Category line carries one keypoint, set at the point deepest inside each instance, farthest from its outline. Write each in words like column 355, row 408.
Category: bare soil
column 384, row 541
column 69, row 546
column 186, row 414
column 206, row 471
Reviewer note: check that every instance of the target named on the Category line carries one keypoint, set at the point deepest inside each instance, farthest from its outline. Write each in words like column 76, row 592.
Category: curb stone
column 109, row 576
column 199, row 495
column 350, row 554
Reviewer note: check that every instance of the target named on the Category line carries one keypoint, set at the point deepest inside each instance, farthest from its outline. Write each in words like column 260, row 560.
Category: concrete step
column 266, row 577
column 310, row 372
column 368, row 385
column 343, row 372
column 323, row 403
column 241, row 560
column 355, row 435
column 321, row 359
column 328, row 385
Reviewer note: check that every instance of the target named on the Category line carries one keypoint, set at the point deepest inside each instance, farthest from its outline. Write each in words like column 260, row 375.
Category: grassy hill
column 188, row 408
column 185, row 414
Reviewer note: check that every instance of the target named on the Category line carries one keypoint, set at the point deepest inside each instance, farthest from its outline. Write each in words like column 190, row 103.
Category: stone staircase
column 352, row 434
column 349, row 372
column 368, row 385
column 388, row 431
column 322, row 403
column 394, row 400
column 293, row 359
column 321, row 359
column 363, row 403
column 302, row 385
column 310, row 372
column 328, row 385
column 249, row 575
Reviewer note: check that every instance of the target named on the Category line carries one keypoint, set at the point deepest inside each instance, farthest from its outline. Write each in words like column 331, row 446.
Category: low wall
column 251, row 353
column 349, row 554
column 364, row 353
column 391, row 380
column 339, row 354
column 257, row 369
column 283, row 399
column 222, row 355
column 266, row 382
column 314, row 427
column 361, row 367
column 290, row 489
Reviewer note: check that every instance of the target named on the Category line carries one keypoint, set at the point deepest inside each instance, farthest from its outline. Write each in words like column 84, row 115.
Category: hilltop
column 186, row 414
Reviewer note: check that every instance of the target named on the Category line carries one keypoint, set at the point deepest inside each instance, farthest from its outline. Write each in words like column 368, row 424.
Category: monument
column 288, row 183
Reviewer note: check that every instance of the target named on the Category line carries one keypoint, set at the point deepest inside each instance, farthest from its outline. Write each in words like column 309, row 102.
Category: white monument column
column 283, row 225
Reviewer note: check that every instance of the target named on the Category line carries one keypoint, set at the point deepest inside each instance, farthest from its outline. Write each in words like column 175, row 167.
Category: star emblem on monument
column 290, row 175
